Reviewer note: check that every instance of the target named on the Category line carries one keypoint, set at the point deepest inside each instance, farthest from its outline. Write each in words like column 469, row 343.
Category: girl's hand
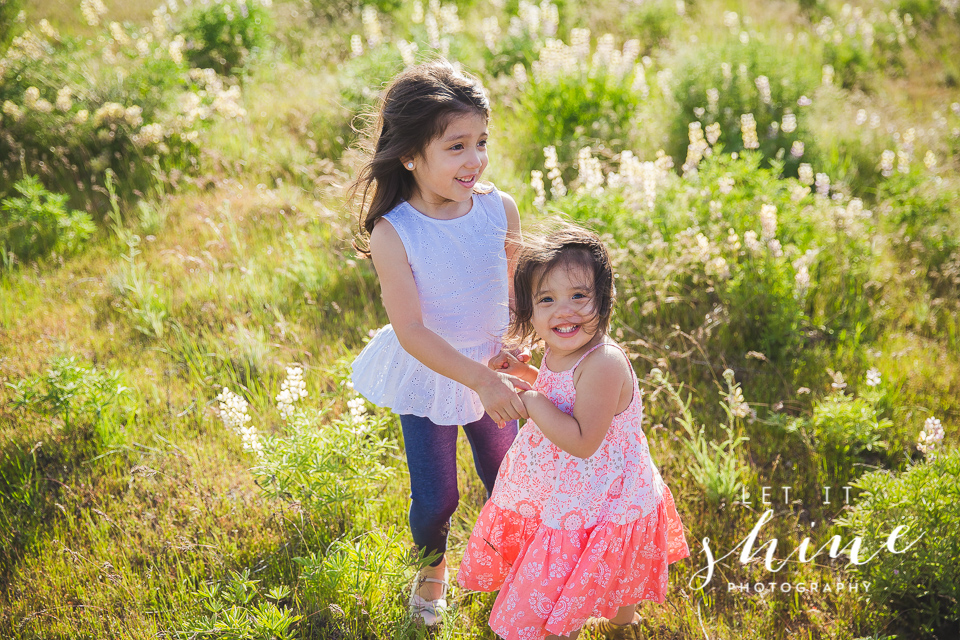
column 500, row 400
column 514, row 365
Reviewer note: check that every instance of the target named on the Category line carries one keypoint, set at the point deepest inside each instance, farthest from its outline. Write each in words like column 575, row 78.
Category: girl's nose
column 474, row 160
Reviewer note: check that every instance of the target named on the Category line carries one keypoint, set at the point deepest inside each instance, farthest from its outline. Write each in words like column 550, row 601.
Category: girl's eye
column 482, row 143
column 545, row 300
column 457, row 147
column 579, row 296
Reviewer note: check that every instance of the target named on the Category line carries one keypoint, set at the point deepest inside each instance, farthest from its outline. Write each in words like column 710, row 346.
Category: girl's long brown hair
column 415, row 109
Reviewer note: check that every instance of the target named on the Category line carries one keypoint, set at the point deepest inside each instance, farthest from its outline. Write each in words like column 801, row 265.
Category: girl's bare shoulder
column 605, row 365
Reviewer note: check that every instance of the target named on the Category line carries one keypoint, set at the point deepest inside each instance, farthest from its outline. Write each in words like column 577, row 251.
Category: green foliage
column 81, row 395
column 697, row 257
column 718, row 467
column 843, row 433
column 238, row 610
column 924, row 227
column 137, row 295
column 225, row 36
column 332, row 468
column 9, row 11
column 736, row 72
column 577, row 107
column 919, row 585
column 358, row 583
column 651, row 22
column 335, row 124
column 37, row 222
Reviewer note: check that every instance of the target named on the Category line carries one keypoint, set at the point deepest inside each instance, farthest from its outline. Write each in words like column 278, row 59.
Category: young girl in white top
column 580, row 526
column 443, row 247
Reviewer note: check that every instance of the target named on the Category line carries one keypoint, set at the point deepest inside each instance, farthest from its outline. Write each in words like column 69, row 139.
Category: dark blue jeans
column 432, row 458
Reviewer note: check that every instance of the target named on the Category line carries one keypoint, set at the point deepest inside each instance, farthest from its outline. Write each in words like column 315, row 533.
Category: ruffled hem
column 552, row 580
column 386, row 375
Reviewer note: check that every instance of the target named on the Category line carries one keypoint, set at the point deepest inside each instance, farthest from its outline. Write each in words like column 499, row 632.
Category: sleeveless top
column 619, row 483
column 460, row 269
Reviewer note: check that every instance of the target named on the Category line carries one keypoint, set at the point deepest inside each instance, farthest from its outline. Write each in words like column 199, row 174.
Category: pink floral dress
column 566, row 538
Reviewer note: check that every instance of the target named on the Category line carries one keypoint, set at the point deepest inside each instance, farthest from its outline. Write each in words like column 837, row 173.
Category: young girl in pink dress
column 580, row 524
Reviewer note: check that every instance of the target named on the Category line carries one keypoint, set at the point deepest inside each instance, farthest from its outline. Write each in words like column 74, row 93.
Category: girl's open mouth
column 566, row 330
column 467, row 182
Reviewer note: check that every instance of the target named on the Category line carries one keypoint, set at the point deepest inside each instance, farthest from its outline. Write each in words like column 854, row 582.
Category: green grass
column 109, row 524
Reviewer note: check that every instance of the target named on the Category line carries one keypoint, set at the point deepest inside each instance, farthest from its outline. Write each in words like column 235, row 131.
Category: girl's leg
column 626, row 615
column 432, row 459
column 489, row 444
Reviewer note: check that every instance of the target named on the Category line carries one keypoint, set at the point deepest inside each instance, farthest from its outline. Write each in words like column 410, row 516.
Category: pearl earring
column 410, row 165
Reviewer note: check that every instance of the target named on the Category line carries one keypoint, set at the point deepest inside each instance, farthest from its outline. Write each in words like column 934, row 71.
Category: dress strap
column 592, row 349
column 612, row 344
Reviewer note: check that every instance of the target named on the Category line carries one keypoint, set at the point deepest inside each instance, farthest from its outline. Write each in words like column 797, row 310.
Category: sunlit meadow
column 182, row 453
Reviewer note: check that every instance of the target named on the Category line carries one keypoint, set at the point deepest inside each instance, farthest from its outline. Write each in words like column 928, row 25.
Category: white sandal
column 430, row 611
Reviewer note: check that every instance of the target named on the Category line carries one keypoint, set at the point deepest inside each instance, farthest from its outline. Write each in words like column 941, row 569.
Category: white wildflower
column 886, row 162
column 748, row 129
column 92, row 11
column 358, row 408
column 789, row 123
column 11, row 110
column 292, row 389
column 838, row 383
column 805, row 173
column 150, row 134
column 768, row 221
column 763, row 86
column 713, row 133
column 827, row 74
column 233, row 413
column 930, row 437
column 873, row 377
column 796, row 149
column 751, row 241
column 64, row 99
column 823, row 184
column 536, row 181
column 725, row 184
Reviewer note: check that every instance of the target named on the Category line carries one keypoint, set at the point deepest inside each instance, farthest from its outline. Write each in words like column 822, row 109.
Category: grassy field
column 189, row 233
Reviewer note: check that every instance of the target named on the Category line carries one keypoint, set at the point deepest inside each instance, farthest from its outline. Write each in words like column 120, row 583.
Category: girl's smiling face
column 449, row 167
column 565, row 313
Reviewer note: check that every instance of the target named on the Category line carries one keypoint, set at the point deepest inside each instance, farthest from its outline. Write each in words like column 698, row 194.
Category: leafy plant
column 225, row 36
column 137, row 295
column 9, row 12
column 581, row 103
column 919, row 585
column 358, row 583
column 843, row 431
column 75, row 392
column 330, row 468
column 715, row 466
column 237, row 609
column 753, row 91
column 38, row 222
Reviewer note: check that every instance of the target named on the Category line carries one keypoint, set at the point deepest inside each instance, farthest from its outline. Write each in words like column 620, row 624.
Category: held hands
column 500, row 399
column 514, row 374
column 514, row 363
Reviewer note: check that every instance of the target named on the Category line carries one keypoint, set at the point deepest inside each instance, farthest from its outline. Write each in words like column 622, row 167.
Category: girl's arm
column 402, row 302
column 604, row 387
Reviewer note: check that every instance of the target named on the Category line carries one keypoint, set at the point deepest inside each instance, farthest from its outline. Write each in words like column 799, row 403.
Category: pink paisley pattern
column 566, row 538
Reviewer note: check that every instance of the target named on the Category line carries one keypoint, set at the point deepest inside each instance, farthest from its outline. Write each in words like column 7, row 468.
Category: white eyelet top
column 460, row 269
